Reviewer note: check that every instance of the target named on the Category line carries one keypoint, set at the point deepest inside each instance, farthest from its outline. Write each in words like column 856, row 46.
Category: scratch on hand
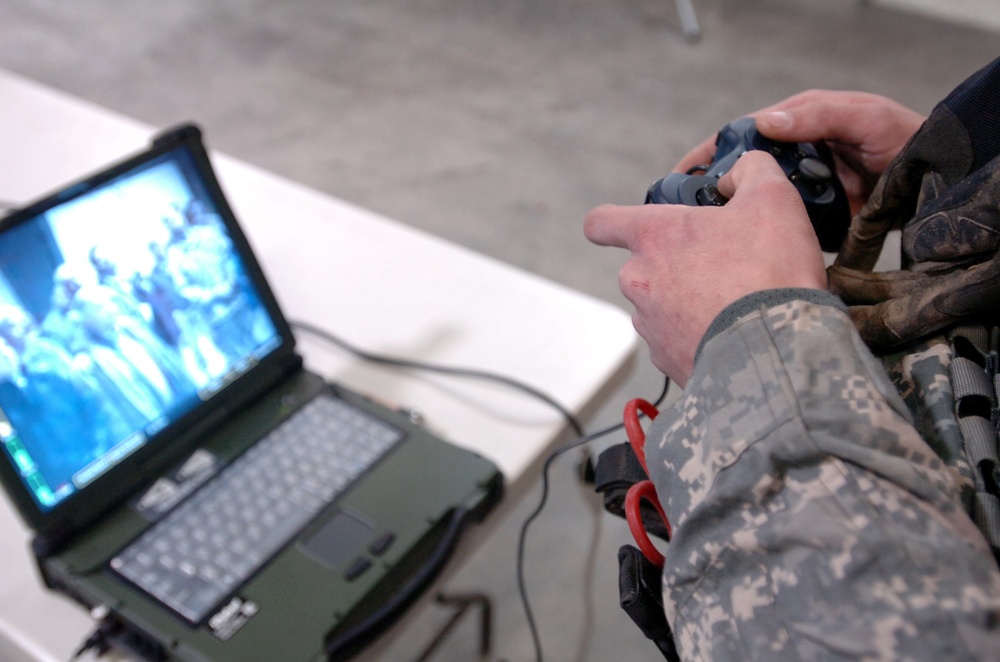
column 640, row 285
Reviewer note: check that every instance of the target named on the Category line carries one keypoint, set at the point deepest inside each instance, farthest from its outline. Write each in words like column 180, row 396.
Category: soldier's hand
column 689, row 263
column 864, row 131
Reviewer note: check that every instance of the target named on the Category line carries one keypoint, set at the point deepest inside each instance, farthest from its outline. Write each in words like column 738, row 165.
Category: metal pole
column 689, row 21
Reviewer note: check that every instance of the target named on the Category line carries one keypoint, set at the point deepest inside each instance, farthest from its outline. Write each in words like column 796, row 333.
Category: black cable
column 576, row 443
column 99, row 640
column 410, row 364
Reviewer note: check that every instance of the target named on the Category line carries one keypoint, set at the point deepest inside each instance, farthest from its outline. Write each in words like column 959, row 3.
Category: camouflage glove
column 944, row 189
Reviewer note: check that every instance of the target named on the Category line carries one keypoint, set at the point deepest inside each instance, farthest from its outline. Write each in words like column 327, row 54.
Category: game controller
column 809, row 166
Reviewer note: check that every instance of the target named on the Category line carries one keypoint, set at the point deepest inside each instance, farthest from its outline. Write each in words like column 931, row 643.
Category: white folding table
column 377, row 283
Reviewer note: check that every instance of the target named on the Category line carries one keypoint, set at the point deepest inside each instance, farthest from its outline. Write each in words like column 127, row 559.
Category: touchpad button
column 339, row 540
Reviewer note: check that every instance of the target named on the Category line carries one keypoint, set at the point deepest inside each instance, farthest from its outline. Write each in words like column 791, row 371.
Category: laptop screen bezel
column 181, row 435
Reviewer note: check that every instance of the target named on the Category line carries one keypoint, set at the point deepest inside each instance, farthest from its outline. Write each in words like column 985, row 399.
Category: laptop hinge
column 43, row 547
column 50, row 543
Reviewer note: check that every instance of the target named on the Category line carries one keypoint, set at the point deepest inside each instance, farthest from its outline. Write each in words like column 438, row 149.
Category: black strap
column 640, row 594
column 618, row 467
column 617, row 470
column 639, row 581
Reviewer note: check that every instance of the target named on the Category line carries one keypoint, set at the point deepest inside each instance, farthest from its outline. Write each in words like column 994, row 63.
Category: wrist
column 763, row 300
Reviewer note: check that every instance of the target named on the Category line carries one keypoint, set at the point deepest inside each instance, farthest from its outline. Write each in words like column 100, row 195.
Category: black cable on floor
column 522, row 587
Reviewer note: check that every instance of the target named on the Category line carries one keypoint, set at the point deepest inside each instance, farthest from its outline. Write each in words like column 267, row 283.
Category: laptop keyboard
column 210, row 544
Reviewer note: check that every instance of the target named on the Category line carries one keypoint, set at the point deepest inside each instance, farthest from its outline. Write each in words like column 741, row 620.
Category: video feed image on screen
column 119, row 311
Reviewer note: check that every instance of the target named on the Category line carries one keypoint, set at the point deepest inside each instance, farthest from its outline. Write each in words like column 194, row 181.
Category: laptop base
column 307, row 606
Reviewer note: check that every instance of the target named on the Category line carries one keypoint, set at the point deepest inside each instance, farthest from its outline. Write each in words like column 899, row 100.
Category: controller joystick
column 809, row 166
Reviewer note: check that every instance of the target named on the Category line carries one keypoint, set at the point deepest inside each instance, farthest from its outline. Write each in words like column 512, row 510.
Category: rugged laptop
column 184, row 475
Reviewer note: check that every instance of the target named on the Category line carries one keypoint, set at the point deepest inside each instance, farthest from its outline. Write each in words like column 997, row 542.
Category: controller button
column 710, row 197
column 815, row 170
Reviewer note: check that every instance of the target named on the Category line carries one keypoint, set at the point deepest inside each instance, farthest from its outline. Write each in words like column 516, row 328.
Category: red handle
column 636, row 435
column 633, row 498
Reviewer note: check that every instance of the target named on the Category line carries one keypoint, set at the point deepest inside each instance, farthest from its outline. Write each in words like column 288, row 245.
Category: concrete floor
column 495, row 124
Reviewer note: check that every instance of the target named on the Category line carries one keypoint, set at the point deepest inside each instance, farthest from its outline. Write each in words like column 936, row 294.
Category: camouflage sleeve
column 810, row 519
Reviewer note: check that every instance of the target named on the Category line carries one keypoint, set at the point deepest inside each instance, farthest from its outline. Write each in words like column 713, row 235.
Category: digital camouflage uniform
column 811, row 520
column 824, row 501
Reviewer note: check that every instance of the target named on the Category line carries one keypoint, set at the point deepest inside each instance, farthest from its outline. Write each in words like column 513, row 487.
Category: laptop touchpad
column 340, row 540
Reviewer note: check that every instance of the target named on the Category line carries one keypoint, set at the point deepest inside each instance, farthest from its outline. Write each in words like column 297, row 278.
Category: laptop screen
column 122, row 307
